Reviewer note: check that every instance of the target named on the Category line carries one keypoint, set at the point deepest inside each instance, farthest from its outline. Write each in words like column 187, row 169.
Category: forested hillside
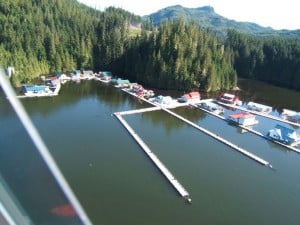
column 42, row 36
column 274, row 60
column 47, row 35
column 180, row 56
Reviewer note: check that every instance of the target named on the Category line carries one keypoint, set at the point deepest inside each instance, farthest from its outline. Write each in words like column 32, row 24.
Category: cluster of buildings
column 245, row 117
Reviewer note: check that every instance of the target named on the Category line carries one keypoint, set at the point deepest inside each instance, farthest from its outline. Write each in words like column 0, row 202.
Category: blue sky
column 277, row 14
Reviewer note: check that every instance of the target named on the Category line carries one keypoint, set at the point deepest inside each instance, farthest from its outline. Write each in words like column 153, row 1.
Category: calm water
column 117, row 184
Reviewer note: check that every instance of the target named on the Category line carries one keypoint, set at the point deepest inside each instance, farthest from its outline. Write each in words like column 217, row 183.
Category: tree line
column 43, row 36
column 274, row 60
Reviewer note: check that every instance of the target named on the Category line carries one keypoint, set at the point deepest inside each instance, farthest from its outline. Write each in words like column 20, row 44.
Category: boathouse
column 259, row 107
column 242, row 118
column 284, row 135
column 212, row 107
column 291, row 115
column 36, row 90
column 120, row 83
column 192, row 96
column 105, row 75
column 163, row 99
column 229, row 99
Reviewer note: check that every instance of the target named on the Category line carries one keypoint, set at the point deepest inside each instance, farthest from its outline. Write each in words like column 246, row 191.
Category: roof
column 211, row 104
column 242, row 115
column 226, row 95
column 193, row 94
column 284, row 130
column 35, row 88
column 106, row 73
column 58, row 74
column 120, row 81
column 284, row 134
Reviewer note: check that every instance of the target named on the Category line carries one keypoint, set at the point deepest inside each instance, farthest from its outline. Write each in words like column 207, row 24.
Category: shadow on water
column 278, row 98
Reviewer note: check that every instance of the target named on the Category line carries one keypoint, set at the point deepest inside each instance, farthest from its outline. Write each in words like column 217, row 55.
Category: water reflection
column 278, row 98
column 29, row 179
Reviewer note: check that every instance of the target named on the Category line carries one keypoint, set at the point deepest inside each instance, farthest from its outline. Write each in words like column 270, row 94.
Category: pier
column 260, row 114
column 139, row 110
column 217, row 137
column 181, row 190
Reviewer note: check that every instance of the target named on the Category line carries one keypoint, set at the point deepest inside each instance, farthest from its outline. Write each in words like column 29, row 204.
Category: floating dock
column 155, row 159
column 51, row 94
column 140, row 110
column 260, row 114
column 217, row 137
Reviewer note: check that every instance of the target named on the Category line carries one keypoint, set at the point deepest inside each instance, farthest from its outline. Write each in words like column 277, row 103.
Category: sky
column 278, row 14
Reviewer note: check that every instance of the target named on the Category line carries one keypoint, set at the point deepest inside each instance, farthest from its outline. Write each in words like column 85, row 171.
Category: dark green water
column 116, row 182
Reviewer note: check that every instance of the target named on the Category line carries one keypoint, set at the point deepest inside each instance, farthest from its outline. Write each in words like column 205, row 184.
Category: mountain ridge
column 207, row 18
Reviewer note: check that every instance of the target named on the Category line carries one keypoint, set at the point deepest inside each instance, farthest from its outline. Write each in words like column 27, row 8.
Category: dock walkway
column 217, row 137
column 155, row 159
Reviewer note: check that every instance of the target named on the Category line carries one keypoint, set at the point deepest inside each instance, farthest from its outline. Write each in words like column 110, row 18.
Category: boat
column 229, row 99
column 259, row 107
column 120, row 83
column 103, row 76
column 284, row 135
column 243, row 118
column 212, row 107
column 165, row 100
column 190, row 97
column 148, row 93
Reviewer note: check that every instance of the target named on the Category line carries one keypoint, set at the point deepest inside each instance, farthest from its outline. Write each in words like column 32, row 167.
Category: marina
column 155, row 159
column 224, row 141
column 217, row 137
column 165, row 103
column 112, row 176
column 290, row 147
